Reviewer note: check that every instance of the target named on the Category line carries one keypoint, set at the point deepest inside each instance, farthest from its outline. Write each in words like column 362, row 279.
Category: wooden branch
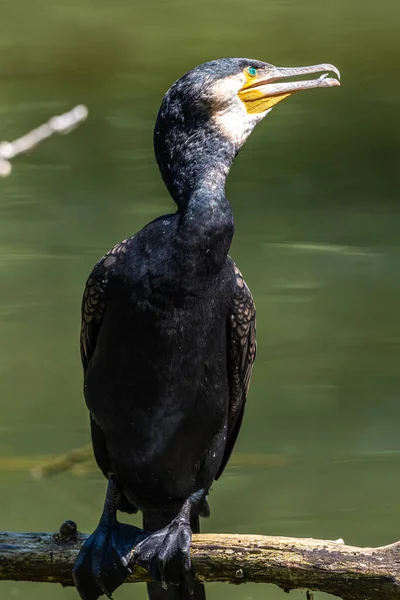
column 345, row 571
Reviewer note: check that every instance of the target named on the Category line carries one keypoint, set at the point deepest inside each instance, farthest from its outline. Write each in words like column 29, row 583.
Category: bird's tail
column 154, row 522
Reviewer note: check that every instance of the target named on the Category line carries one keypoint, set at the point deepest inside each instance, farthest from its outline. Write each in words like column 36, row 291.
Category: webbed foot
column 166, row 553
column 103, row 561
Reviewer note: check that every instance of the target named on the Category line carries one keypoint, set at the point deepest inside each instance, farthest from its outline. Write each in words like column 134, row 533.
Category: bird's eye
column 252, row 71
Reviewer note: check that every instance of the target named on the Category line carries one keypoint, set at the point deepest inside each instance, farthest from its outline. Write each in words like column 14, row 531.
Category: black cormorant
column 168, row 334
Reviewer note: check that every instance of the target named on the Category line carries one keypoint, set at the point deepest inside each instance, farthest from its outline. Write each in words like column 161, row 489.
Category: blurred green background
column 315, row 197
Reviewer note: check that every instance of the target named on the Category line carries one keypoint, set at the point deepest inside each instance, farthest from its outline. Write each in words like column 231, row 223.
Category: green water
column 315, row 197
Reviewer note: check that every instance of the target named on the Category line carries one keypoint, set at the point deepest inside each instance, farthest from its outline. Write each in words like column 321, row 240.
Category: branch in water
column 62, row 124
column 75, row 460
column 348, row 572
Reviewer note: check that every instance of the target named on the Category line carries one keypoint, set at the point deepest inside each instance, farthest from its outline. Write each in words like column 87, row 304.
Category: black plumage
column 168, row 344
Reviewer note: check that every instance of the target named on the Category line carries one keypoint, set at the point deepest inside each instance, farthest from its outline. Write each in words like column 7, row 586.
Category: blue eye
column 252, row 71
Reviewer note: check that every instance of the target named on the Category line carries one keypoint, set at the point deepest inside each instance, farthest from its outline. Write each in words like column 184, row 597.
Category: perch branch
column 348, row 572
column 62, row 124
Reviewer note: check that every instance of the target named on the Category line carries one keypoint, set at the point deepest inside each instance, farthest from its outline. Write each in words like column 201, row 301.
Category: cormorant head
column 212, row 109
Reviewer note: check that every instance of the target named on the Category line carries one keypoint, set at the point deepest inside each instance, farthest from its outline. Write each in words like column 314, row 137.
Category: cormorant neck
column 194, row 159
column 192, row 155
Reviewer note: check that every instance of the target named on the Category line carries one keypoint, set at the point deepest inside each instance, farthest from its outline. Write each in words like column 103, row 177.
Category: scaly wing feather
column 93, row 308
column 241, row 338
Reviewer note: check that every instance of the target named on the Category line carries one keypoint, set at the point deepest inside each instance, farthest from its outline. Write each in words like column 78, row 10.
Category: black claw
column 125, row 561
column 189, row 582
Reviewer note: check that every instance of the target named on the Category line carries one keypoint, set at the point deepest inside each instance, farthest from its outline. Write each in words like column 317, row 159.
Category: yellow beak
column 265, row 90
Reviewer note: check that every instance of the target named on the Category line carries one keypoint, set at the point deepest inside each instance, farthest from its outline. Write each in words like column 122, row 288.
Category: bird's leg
column 166, row 553
column 102, row 563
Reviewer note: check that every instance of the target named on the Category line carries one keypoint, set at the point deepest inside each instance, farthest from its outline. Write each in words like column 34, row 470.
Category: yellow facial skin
column 254, row 100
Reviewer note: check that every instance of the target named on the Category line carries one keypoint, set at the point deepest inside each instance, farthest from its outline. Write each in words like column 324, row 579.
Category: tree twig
column 348, row 572
column 61, row 124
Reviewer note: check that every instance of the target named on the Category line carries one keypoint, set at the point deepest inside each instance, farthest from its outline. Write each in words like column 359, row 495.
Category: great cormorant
column 168, row 334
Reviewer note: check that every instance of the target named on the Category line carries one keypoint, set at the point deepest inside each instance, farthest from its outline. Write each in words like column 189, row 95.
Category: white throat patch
column 230, row 114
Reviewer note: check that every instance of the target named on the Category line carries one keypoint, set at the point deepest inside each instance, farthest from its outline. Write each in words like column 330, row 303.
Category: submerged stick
column 63, row 462
column 82, row 459
column 348, row 572
column 60, row 124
